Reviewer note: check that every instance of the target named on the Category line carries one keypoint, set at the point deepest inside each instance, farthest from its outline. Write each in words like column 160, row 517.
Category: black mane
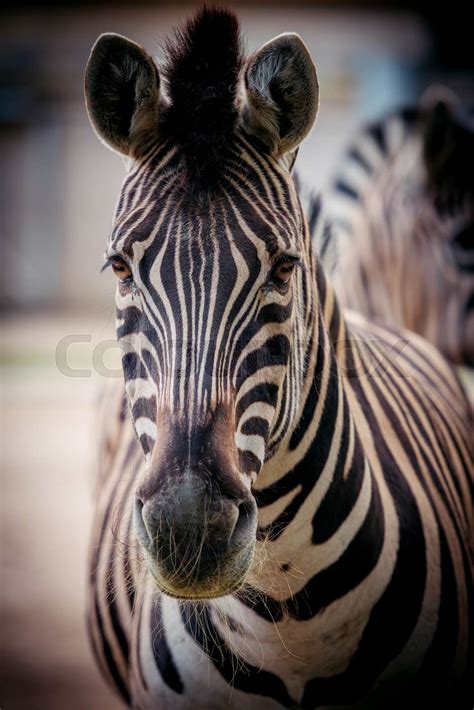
column 201, row 69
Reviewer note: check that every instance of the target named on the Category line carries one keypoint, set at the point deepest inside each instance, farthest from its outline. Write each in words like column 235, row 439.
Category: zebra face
column 212, row 258
column 210, row 319
column 207, row 306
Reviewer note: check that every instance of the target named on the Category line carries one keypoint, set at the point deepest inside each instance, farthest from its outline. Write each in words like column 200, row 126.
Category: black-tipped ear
column 448, row 147
column 282, row 94
column 289, row 159
column 122, row 94
column 439, row 136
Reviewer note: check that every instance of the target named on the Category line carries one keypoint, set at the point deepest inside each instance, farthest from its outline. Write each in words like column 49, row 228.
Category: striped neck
column 319, row 483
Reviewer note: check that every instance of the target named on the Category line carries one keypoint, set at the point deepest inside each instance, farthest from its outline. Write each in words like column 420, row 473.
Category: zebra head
column 213, row 261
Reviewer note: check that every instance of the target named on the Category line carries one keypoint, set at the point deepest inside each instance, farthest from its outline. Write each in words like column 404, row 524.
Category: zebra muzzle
column 198, row 539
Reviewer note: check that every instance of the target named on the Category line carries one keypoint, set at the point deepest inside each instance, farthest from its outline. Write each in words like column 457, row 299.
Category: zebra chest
column 214, row 658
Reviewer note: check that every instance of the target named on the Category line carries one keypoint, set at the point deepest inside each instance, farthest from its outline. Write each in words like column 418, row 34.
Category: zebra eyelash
column 109, row 263
column 292, row 259
column 105, row 265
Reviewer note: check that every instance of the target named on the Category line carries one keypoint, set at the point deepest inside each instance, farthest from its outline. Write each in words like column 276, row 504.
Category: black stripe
column 237, row 672
column 354, row 565
column 112, row 608
column 355, row 155
column 343, row 493
column 443, row 646
column 376, row 131
column 161, row 651
column 346, row 189
column 255, row 426
column 394, row 616
column 108, row 656
column 263, row 392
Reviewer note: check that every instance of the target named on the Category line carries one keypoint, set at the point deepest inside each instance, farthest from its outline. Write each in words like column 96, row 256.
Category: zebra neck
column 319, row 486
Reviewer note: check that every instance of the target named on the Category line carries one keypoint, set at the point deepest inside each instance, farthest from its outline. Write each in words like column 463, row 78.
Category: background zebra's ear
column 122, row 94
column 282, row 94
column 439, row 106
column 448, row 140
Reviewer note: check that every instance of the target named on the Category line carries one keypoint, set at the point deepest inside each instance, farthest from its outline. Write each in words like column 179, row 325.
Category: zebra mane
column 201, row 70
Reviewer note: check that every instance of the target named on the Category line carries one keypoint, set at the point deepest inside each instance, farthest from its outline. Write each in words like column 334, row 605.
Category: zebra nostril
column 245, row 525
column 140, row 527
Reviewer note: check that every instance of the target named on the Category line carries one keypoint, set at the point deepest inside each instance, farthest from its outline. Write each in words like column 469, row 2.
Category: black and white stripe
column 399, row 236
column 353, row 441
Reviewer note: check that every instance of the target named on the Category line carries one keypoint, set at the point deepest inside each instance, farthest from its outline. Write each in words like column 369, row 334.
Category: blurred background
column 58, row 191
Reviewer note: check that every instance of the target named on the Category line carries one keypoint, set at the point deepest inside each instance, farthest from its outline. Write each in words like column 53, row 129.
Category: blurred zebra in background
column 399, row 238
column 283, row 514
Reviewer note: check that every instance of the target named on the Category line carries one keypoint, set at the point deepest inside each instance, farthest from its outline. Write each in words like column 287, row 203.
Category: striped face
column 213, row 264
column 210, row 320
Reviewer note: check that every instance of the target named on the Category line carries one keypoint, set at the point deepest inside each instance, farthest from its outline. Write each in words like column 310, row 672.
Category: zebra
column 283, row 507
column 399, row 237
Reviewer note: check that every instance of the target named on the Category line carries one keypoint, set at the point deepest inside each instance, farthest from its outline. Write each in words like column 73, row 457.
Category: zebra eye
column 282, row 273
column 121, row 269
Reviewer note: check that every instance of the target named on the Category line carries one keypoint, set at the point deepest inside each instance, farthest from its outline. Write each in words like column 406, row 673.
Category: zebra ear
column 439, row 106
column 289, row 159
column 282, row 93
column 122, row 94
column 448, row 143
